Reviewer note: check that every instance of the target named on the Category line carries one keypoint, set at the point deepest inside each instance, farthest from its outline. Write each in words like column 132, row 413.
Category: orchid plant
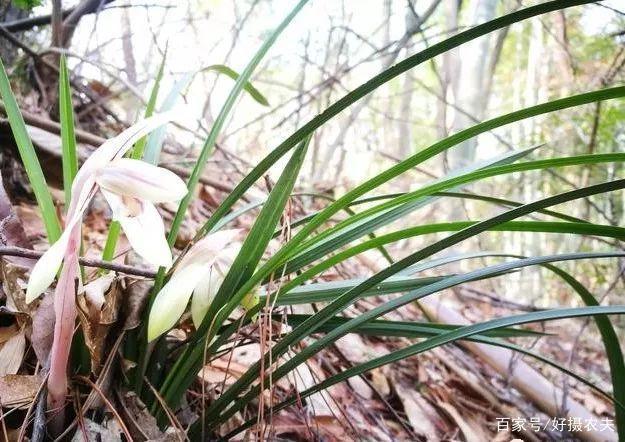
column 131, row 187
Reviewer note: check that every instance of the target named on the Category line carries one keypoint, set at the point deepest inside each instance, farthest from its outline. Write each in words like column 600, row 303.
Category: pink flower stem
column 65, row 318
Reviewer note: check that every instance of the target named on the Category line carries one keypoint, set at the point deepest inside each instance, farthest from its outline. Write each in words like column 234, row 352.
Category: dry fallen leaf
column 11, row 230
column 141, row 424
column 469, row 428
column 19, row 390
column 360, row 387
column 420, row 417
column 110, row 431
column 13, row 282
column 36, row 318
column 43, row 328
column 97, row 312
column 134, row 301
column 7, row 333
column 380, row 382
column 94, row 291
column 12, row 353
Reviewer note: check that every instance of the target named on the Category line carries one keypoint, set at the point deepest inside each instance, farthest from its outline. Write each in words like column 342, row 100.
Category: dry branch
column 87, row 262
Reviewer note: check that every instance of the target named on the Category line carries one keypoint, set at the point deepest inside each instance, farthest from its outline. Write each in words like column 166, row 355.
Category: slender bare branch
column 87, row 262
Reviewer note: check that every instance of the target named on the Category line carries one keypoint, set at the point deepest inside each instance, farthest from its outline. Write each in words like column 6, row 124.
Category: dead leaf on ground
column 7, row 333
column 19, row 390
column 108, row 431
column 421, row 416
column 380, row 382
column 288, row 427
column 94, row 292
column 43, row 328
column 360, row 387
column 469, row 428
column 36, row 318
column 12, row 231
column 98, row 311
column 134, row 302
column 216, row 371
column 141, row 424
column 14, row 281
column 32, row 224
column 12, row 353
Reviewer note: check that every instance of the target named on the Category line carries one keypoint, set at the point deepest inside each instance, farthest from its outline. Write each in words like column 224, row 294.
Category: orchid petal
column 108, row 151
column 172, row 300
column 204, row 294
column 207, row 288
column 45, row 269
column 116, row 147
column 206, row 250
column 143, row 227
column 139, row 179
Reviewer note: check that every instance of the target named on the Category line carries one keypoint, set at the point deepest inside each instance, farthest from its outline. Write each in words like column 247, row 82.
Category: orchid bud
column 199, row 273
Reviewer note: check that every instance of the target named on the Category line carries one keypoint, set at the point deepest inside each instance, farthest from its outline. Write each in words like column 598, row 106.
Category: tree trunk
column 469, row 78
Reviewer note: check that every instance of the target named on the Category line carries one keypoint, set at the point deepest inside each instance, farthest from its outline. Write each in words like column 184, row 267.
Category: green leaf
column 186, row 367
column 208, row 147
column 507, row 203
column 29, row 159
column 27, row 4
column 276, row 262
column 209, row 144
column 427, row 229
column 311, row 325
column 371, row 85
column 327, row 291
column 138, row 151
column 471, row 330
column 368, row 218
column 254, row 245
column 68, row 137
column 261, row 233
column 299, row 261
column 248, row 87
column 348, row 297
column 610, row 342
column 357, row 226
column 405, row 329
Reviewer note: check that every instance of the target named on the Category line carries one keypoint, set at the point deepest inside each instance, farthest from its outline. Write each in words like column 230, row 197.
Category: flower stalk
column 131, row 188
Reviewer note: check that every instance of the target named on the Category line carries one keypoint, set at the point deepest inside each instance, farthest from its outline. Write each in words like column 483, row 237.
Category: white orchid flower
column 199, row 273
column 131, row 201
column 206, row 289
column 131, row 188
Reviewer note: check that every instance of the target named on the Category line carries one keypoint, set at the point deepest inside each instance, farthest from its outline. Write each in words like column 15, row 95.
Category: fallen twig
column 87, row 262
